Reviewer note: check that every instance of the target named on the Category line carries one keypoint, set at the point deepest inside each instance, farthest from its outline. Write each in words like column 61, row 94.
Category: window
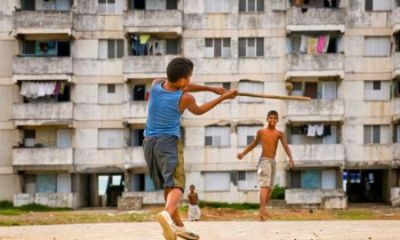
column 28, row 5
column 139, row 93
column 137, row 4
column 246, row 134
column 110, row 88
column 325, row 90
column 251, row 47
column 46, row 48
column 29, row 137
column 111, row 138
column 217, row 136
column 377, row 134
column 377, row 46
column 377, row 90
column 303, row 134
column 108, row 6
column 251, row 5
column 110, row 93
column 141, row 183
column 217, row 181
column 251, row 87
column 318, row 43
column 217, row 6
column 208, row 96
column 63, row 138
column 218, row 47
column 109, row 49
column 247, row 181
column 313, row 179
column 137, row 137
column 378, row 5
column 46, row 183
column 172, row 4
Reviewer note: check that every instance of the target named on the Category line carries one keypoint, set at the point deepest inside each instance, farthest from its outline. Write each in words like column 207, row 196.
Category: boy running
column 194, row 209
column 266, row 168
column 163, row 150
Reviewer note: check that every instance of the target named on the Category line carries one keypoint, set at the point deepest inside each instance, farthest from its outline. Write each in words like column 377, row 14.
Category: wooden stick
column 295, row 98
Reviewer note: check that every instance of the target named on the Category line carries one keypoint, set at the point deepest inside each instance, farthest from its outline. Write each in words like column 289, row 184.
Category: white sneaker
column 167, row 225
column 186, row 233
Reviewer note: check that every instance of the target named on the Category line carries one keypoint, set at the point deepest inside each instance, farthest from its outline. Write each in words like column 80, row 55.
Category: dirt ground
column 210, row 230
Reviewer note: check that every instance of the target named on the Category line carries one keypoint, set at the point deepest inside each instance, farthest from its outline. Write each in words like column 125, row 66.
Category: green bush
column 278, row 193
column 6, row 204
column 237, row 206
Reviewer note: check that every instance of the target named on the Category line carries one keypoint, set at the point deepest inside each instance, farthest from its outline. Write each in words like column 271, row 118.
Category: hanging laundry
column 312, row 130
column 144, row 38
column 319, row 130
column 57, row 88
column 321, row 44
column 303, row 44
column 312, row 45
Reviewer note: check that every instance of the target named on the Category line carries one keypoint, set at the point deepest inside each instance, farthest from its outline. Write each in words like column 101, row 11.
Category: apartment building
column 75, row 77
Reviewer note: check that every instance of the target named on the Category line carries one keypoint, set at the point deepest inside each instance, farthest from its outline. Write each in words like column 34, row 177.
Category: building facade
column 75, row 77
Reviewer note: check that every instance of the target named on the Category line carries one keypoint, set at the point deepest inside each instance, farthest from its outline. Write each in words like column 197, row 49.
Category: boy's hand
column 219, row 90
column 231, row 94
column 291, row 163
column 240, row 156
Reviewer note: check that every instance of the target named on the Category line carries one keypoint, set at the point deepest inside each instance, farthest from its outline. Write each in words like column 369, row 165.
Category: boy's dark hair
column 272, row 113
column 179, row 68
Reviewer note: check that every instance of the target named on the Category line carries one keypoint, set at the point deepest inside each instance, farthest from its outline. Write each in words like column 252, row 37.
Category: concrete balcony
column 42, row 113
column 316, row 17
column 396, row 112
column 135, row 158
column 315, row 110
column 43, row 22
column 109, row 159
column 146, row 66
column 135, row 111
column 310, row 65
column 316, row 155
column 153, row 21
column 371, row 155
column 42, row 156
column 97, row 112
column 42, row 68
column 57, row 200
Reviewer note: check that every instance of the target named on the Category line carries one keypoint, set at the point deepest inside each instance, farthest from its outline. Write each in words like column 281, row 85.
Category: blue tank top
column 163, row 115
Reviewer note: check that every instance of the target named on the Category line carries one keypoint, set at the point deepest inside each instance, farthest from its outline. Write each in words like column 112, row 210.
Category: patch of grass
column 236, row 206
column 354, row 214
column 6, row 208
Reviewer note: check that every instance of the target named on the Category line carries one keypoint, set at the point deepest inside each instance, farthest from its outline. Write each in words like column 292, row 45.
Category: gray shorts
column 164, row 159
column 266, row 171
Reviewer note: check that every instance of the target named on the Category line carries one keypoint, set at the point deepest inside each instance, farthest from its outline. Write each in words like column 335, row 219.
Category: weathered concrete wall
column 42, row 156
column 55, row 20
column 60, row 200
column 316, row 16
column 86, row 112
column 324, row 62
column 135, row 111
column 153, row 18
column 156, row 197
column 316, row 155
column 395, row 197
column 10, row 186
column 307, row 196
column 146, row 64
column 91, row 67
column 43, row 111
column 41, row 65
column 316, row 110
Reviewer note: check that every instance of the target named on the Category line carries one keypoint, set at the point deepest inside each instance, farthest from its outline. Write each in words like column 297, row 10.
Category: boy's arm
column 251, row 146
column 287, row 149
column 189, row 102
column 201, row 88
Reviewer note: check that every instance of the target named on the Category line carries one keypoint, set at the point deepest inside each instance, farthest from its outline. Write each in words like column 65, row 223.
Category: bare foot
column 263, row 215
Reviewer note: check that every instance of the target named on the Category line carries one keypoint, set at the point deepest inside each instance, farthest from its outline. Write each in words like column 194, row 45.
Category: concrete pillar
column 127, row 181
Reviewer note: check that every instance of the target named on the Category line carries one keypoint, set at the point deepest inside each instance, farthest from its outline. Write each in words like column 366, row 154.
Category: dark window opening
column 29, row 47
column 332, row 47
column 66, row 95
column 137, row 4
column 64, row 49
column 137, row 137
column 376, row 85
column 368, row 5
column 172, row 46
column 28, row 5
column 111, row 88
column 311, row 90
column 139, row 93
column 172, row 4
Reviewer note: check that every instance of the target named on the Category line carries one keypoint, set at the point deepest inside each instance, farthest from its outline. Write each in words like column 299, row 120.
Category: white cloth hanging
column 303, row 43
column 319, row 130
column 311, row 130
